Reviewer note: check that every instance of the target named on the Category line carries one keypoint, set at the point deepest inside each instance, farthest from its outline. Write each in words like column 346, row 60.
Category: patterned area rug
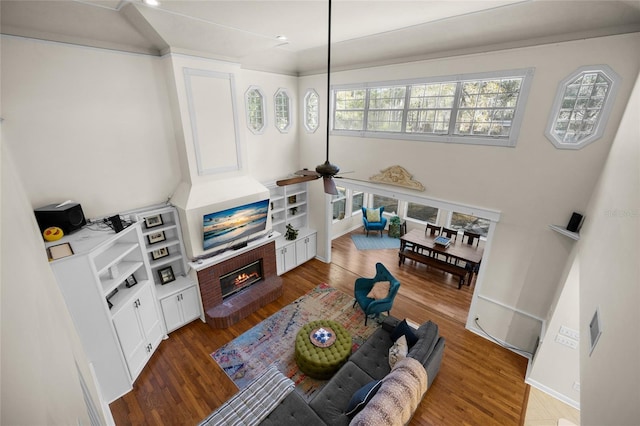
column 375, row 242
column 273, row 340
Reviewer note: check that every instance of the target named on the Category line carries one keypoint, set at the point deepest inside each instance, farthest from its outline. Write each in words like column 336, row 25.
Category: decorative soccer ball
column 53, row 233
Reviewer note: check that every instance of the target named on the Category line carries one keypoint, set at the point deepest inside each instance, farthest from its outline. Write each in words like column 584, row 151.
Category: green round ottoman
column 322, row 362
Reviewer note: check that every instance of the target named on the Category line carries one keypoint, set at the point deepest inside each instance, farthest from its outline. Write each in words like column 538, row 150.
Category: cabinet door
column 131, row 337
column 171, row 312
column 301, row 251
column 149, row 318
column 289, row 256
column 311, row 246
column 190, row 304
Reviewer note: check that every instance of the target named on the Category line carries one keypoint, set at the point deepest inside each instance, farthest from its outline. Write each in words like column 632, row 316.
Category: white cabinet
column 97, row 282
column 305, row 248
column 290, row 254
column 181, row 308
column 289, row 207
column 138, row 328
column 179, row 298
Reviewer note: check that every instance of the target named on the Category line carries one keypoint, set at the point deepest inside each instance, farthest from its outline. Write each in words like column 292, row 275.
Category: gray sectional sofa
column 370, row 362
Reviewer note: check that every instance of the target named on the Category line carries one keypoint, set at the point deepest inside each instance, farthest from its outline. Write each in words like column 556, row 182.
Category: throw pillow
column 362, row 396
column 399, row 350
column 380, row 290
column 373, row 215
column 404, row 329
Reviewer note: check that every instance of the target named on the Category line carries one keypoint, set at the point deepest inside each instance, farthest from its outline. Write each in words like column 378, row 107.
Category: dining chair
column 449, row 233
column 472, row 238
column 432, row 230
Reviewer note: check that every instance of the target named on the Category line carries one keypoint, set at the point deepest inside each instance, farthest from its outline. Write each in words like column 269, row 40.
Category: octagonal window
column 282, row 110
column 311, row 111
column 256, row 120
column 582, row 107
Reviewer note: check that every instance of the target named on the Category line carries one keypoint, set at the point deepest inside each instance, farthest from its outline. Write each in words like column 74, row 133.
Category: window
column 465, row 222
column 480, row 108
column 282, row 110
column 582, row 106
column 339, row 204
column 422, row 213
column 255, row 110
column 311, row 111
column 357, row 202
column 390, row 204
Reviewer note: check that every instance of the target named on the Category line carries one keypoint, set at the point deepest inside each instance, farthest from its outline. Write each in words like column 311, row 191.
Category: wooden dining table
column 417, row 246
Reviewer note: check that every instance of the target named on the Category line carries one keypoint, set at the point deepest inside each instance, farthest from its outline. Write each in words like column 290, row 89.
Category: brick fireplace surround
column 221, row 313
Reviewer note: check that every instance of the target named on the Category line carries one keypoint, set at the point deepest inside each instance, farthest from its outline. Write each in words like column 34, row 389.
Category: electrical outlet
column 576, row 386
column 567, row 341
column 569, row 332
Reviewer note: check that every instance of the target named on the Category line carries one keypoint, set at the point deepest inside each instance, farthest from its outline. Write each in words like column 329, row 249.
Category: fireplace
column 225, row 309
column 240, row 279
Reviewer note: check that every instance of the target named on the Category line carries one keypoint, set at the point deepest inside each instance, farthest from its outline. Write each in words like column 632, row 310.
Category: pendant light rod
column 328, row 78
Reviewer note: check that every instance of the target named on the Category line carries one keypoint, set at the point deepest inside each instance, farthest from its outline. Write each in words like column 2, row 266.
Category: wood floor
column 479, row 382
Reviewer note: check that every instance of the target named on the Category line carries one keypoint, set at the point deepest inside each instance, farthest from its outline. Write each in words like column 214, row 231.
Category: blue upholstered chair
column 370, row 225
column 374, row 307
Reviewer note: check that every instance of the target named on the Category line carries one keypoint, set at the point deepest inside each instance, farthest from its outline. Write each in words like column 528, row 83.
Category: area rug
column 273, row 340
column 375, row 242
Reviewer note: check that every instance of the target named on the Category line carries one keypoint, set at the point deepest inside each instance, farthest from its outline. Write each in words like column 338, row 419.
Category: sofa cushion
column 292, row 410
column 331, row 402
column 362, row 396
column 398, row 350
column 373, row 355
column 404, row 329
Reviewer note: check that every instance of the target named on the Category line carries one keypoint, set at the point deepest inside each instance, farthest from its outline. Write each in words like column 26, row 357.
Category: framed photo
column 59, row 251
column 153, row 221
column 156, row 237
column 166, row 275
column 130, row 281
column 160, row 253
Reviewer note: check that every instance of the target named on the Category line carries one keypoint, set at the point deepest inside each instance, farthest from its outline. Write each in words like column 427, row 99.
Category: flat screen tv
column 227, row 226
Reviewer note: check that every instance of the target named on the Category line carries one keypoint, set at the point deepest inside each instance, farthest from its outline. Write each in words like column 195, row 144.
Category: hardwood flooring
column 480, row 383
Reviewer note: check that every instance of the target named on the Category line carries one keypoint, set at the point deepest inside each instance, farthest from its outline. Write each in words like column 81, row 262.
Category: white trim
column 511, row 308
column 553, row 393
column 188, row 73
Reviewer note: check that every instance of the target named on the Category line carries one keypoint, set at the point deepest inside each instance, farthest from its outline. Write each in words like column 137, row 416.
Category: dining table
column 460, row 259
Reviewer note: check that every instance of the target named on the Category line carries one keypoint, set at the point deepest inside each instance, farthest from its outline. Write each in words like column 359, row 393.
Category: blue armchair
column 375, row 306
column 370, row 225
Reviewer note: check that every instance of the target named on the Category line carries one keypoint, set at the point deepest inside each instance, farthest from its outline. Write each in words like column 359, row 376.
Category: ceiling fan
column 326, row 170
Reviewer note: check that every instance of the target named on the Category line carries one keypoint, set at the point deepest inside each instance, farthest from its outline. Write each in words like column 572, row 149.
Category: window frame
column 526, row 74
column 276, row 110
column 306, row 97
column 604, row 112
column 248, row 112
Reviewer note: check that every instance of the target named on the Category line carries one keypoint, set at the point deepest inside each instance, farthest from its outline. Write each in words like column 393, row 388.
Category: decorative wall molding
column 398, row 176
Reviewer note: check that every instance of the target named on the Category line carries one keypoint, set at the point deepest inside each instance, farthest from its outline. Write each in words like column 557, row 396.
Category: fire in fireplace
column 241, row 278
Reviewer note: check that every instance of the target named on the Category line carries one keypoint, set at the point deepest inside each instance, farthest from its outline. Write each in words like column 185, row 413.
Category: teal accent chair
column 374, row 226
column 374, row 307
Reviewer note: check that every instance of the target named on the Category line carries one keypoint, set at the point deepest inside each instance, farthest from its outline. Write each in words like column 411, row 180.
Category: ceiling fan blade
column 297, row 179
column 306, row 172
column 330, row 186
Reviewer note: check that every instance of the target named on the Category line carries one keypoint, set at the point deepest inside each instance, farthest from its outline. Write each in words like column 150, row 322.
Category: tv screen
column 228, row 225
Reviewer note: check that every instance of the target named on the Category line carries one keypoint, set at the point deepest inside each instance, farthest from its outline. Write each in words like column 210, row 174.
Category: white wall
column 532, row 185
column 609, row 250
column 40, row 348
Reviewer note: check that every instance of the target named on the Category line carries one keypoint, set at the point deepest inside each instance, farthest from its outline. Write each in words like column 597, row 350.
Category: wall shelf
column 563, row 231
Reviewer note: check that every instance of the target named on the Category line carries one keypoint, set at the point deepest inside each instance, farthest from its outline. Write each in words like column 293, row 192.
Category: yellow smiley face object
column 53, row 234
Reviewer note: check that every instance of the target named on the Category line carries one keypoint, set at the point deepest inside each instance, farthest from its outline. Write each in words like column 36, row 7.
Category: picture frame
column 153, row 221
column 166, row 275
column 156, row 237
column 130, row 281
column 160, row 253
column 59, row 251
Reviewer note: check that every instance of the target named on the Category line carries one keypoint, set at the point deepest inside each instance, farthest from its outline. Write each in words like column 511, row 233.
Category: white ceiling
column 364, row 32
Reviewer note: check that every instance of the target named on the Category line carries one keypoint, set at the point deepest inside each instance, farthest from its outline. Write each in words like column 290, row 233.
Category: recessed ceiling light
column 281, row 37
column 151, row 2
